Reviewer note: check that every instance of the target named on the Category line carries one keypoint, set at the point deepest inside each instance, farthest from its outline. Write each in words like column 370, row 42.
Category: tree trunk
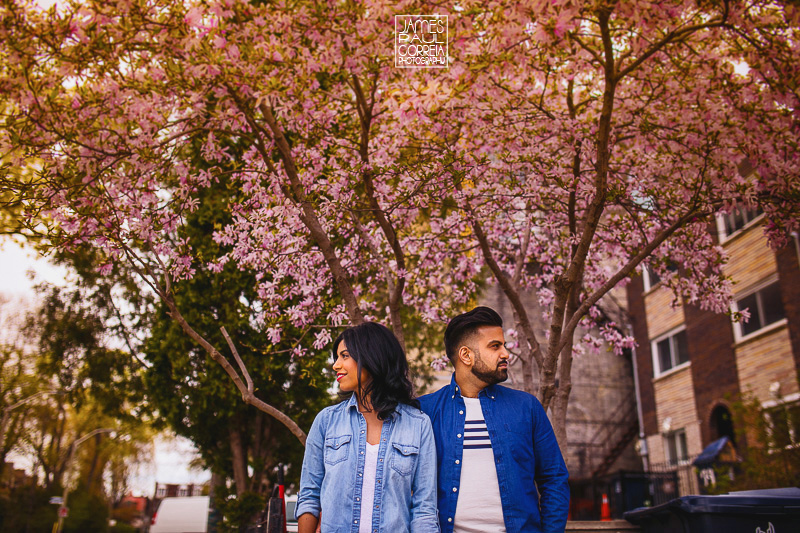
column 527, row 362
column 239, row 457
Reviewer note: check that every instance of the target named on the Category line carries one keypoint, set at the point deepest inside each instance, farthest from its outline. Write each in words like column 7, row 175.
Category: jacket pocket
column 404, row 458
column 336, row 449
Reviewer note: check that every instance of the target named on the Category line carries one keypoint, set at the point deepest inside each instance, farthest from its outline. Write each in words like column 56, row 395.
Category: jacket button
column 455, row 489
column 449, row 519
column 458, row 462
column 461, row 412
column 459, row 435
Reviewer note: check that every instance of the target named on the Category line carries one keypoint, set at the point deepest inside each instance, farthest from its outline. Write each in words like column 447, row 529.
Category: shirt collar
column 455, row 390
column 353, row 403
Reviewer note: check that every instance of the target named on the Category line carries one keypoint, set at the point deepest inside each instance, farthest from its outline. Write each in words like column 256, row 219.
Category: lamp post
column 58, row 526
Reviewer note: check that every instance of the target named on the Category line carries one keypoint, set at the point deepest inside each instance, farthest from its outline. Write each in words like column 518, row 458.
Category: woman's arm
column 308, row 498
column 424, row 511
column 307, row 523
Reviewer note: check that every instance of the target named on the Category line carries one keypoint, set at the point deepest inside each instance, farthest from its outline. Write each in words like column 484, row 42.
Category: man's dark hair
column 464, row 325
column 375, row 348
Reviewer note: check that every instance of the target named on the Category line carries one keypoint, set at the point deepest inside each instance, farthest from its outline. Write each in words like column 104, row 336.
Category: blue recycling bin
column 766, row 511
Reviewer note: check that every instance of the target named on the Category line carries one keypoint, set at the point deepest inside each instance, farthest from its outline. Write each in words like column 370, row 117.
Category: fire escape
column 613, row 437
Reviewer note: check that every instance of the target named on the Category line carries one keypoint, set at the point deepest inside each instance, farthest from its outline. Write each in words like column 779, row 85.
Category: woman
column 370, row 461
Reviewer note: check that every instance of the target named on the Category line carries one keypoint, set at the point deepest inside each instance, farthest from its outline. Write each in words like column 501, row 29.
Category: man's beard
column 488, row 375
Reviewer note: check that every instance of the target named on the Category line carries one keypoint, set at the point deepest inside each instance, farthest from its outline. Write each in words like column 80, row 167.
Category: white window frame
column 657, row 371
column 680, row 460
column 648, row 284
column 785, row 403
column 738, row 333
column 672, row 269
column 720, row 220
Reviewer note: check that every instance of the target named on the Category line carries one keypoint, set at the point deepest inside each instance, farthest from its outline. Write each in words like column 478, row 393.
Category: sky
column 172, row 455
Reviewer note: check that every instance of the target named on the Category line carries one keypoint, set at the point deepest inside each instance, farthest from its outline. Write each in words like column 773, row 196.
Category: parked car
column 181, row 515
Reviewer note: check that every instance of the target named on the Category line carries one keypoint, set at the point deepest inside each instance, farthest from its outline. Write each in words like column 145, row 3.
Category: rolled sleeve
column 308, row 499
column 424, row 513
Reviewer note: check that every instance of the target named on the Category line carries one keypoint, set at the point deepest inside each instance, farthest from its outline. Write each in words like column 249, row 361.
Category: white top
column 479, row 509
column 368, row 488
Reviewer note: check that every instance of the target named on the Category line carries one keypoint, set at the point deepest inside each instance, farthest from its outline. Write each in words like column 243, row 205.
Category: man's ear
column 464, row 355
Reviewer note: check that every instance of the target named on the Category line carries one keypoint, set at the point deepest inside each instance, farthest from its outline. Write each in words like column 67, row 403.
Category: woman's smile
column 346, row 369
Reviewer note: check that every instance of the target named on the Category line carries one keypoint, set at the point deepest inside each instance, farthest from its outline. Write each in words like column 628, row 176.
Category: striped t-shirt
column 479, row 509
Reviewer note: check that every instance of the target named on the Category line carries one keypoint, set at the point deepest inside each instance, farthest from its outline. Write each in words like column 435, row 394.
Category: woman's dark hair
column 461, row 327
column 375, row 348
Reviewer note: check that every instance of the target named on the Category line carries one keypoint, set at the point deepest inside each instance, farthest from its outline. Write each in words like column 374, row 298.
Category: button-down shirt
column 526, row 457
column 405, row 480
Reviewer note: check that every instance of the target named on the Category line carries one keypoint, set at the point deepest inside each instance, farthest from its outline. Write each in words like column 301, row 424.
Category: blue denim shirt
column 405, row 481
column 526, row 456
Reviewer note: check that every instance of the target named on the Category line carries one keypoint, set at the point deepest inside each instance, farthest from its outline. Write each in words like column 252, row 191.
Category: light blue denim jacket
column 405, row 481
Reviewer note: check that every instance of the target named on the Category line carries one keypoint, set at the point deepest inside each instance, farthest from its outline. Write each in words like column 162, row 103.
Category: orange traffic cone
column 605, row 510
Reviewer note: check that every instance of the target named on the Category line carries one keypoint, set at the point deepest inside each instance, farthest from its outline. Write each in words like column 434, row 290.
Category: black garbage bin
column 769, row 511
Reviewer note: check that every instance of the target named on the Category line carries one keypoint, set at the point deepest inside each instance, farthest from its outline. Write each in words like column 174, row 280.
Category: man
column 499, row 465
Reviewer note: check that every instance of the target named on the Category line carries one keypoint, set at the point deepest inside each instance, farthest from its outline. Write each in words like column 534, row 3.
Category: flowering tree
column 585, row 138
column 290, row 101
column 567, row 143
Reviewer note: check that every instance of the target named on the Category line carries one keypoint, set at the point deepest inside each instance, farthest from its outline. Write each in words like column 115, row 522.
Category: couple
column 372, row 463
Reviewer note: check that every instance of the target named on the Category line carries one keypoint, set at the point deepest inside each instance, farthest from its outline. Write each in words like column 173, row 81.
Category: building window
column 783, row 423
column 670, row 351
column 651, row 279
column 733, row 222
column 161, row 492
column 675, row 447
column 765, row 308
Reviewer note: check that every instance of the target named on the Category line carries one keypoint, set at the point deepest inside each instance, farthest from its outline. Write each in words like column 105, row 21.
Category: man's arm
column 551, row 474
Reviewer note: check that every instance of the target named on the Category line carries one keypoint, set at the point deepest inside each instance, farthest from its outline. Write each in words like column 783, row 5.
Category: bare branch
column 239, row 361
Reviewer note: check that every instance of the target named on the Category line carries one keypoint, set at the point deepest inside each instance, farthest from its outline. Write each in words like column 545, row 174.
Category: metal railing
column 686, row 475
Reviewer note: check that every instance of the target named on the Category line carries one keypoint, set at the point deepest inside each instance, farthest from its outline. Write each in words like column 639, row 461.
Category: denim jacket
column 405, row 481
column 526, row 457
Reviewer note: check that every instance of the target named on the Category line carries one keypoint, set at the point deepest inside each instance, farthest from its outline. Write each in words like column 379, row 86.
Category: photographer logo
column 420, row 41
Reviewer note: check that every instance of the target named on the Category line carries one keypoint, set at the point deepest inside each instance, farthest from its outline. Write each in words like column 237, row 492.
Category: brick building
column 691, row 363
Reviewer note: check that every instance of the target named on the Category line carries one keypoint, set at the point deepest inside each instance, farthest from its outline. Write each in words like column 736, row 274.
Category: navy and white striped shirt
column 479, row 508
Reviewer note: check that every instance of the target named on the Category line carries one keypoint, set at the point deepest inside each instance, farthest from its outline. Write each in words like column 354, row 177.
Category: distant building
column 690, row 362
column 11, row 478
column 172, row 490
